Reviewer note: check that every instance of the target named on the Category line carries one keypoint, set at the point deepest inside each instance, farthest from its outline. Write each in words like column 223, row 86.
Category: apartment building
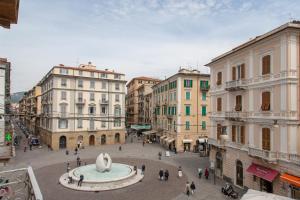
column 5, row 68
column 255, row 113
column 144, row 103
column 30, row 109
column 134, row 98
column 82, row 105
column 181, row 103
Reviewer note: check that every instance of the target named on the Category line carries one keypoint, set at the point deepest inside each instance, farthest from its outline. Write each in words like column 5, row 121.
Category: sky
column 136, row 37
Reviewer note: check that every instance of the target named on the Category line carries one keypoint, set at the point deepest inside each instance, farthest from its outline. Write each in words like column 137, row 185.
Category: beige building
column 181, row 104
column 30, row 109
column 82, row 105
column 144, row 103
column 134, row 99
column 255, row 113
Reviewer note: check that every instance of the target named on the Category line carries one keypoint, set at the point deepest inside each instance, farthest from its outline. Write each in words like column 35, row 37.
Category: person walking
column 76, row 151
column 135, row 169
column 143, row 169
column 166, row 175
column 120, row 148
column 179, row 172
column 78, row 160
column 30, row 146
column 206, row 174
column 187, row 188
column 159, row 155
column 200, row 173
column 68, row 167
column 80, row 180
column 161, row 174
column 193, row 187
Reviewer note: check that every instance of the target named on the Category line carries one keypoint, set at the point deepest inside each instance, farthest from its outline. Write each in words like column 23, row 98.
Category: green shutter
column 187, row 110
column 187, row 125
column 187, row 95
column 184, row 83
column 204, row 96
column 203, row 125
column 191, row 83
column 203, row 110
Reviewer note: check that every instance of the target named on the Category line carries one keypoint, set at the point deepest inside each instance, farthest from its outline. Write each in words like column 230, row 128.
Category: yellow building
column 181, row 105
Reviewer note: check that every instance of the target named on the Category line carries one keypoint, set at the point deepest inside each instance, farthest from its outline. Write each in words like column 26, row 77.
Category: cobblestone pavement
column 49, row 165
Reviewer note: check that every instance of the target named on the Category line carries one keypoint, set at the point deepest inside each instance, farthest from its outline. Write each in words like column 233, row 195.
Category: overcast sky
column 136, row 37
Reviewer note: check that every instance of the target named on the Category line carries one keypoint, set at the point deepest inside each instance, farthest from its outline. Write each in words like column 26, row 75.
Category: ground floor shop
column 238, row 168
column 70, row 140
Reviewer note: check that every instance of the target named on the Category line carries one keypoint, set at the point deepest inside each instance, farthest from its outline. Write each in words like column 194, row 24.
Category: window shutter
column 243, row 134
column 233, row 133
column 266, row 65
column 184, row 83
column 191, row 81
column 243, row 71
column 266, row 101
column 203, row 125
column 201, row 84
column 219, row 104
column 233, row 73
column 219, row 130
column 203, row 110
column 266, row 139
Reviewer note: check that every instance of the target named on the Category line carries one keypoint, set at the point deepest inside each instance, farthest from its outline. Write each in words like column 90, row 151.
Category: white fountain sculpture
column 103, row 163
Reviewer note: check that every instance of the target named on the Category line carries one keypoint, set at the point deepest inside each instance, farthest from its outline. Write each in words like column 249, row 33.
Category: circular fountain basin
column 91, row 175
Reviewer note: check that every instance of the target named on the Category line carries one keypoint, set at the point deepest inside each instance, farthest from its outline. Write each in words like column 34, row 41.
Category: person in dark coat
column 80, row 180
column 166, row 175
column 143, row 169
column 206, row 174
column 193, row 187
column 161, row 174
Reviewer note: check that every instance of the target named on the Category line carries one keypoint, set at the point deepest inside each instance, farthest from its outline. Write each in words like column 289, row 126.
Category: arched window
column 62, row 142
column 266, row 139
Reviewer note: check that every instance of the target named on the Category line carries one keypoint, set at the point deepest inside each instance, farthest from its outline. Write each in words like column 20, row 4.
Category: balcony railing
column 103, row 101
column 215, row 142
column 236, row 116
column 204, row 87
column 236, row 85
column 80, row 101
column 270, row 156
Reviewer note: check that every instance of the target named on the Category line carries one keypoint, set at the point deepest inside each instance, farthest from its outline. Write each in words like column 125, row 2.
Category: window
column 204, row 85
column 204, row 96
column 117, row 123
column 203, row 110
column 188, row 83
column 117, row 86
column 219, row 104
column 117, row 76
column 117, row 97
column 62, row 123
column 103, row 110
column 233, row 133
column 203, row 125
column 80, row 109
column 266, row 101
column 233, row 73
column 103, row 85
column 79, row 123
column 103, row 124
column 80, row 83
column 63, row 108
column 92, row 74
column 80, row 73
column 92, row 110
column 187, row 125
column 103, row 75
column 238, row 103
column 80, row 97
column 92, row 96
column 64, row 82
column 103, row 97
column 219, row 78
column 266, row 65
column 63, row 71
column 92, row 84
column 117, row 111
column 63, row 95
column 242, row 135
column 242, row 68
column 266, row 138
column 188, row 110
column 187, row 95
column 219, row 131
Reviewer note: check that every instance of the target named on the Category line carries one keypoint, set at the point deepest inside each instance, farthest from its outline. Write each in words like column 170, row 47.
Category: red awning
column 262, row 172
column 294, row 180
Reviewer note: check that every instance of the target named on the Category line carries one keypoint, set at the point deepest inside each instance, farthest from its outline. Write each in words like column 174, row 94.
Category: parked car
column 35, row 141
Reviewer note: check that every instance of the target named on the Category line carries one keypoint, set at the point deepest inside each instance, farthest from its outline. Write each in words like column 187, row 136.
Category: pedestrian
column 25, row 148
column 166, row 175
column 159, row 155
column 30, row 146
column 78, row 144
column 49, row 147
column 135, row 169
column 175, row 150
column 143, row 142
column 79, row 163
column 80, row 180
column 68, row 167
column 187, row 188
column 161, row 174
column 179, row 172
column 120, row 148
column 206, row 174
column 143, row 169
column 200, row 173
column 193, row 187
column 76, row 151
column 78, row 160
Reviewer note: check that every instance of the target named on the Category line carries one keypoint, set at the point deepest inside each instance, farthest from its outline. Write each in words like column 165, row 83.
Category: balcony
column 204, row 87
column 103, row 101
column 236, row 85
column 216, row 143
column 80, row 101
column 91, row 129
column 270, row 156
column 236, row 116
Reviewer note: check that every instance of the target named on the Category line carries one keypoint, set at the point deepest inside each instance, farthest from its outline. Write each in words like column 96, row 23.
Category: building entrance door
column 266, row 186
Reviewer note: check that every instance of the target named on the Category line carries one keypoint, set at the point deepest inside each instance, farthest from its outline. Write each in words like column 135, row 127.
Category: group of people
column 206, row 173
column 163, row 175
column 190, row 188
